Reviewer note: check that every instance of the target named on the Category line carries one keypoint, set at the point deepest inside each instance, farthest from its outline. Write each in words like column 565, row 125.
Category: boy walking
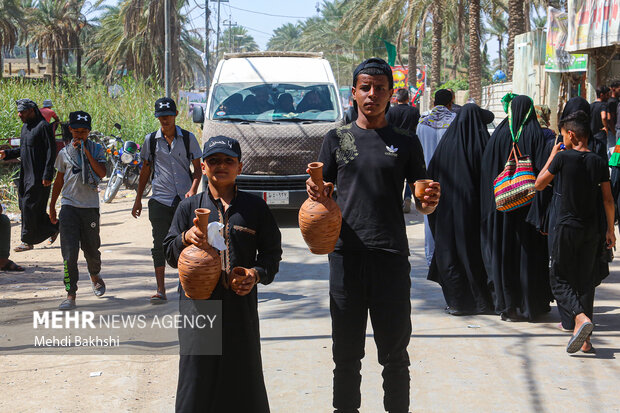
column 369, row 270
column 80, row 166
column 582, row 176
column 212, row 383
column 167, row 155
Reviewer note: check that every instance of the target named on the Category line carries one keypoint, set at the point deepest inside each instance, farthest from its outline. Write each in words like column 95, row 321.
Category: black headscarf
column 531, row 142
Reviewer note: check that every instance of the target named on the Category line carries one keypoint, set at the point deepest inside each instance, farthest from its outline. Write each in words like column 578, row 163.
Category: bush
column 456, row 84
column 133, row 108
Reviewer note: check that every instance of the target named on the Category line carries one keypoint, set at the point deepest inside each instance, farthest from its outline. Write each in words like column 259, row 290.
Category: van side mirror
column 198, row 114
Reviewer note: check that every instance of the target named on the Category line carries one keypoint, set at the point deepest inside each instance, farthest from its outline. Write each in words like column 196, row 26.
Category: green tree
column 516, row 26
column 10, row 19
column 237, row 39
column 286, row 38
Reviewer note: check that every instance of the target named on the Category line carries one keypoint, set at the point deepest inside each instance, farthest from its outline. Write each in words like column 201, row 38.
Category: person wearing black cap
column 369, row 270
column 167, row 155
column 233, row 381
column 37, row 153
column 80, row 167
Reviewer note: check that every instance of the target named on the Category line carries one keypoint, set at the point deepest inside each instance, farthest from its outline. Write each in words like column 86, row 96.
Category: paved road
column 458, row 364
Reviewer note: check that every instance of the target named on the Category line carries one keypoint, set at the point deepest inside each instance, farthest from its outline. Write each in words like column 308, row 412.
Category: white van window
column 273, row 102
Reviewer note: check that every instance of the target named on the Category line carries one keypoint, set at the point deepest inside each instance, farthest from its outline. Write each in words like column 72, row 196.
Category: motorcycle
column 125, row 163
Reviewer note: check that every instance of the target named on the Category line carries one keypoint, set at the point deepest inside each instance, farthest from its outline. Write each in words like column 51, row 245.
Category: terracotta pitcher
column 199, row 270
column 320, row 222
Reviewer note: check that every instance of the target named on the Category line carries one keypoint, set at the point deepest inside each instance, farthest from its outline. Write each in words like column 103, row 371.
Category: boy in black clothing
column 582, row 176
column 232, row 382
column 369, row 271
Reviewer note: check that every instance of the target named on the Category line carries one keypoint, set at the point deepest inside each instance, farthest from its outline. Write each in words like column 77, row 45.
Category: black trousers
column 79, row 228
column 160, row 216
column 375, row 282
column 572, row 271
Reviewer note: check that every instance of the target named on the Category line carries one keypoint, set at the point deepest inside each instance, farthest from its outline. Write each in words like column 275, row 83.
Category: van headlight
column 126, row 157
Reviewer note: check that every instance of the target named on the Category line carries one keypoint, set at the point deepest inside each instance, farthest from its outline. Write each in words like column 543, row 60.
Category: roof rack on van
column 273, row 54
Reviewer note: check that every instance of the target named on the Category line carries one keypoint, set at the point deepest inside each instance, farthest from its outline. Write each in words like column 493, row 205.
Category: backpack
column 153, row 147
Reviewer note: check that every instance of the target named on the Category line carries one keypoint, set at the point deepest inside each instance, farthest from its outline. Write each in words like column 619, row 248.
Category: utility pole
column 167, row 45
column 230, row 25
column 208, row 68
column 217, row 40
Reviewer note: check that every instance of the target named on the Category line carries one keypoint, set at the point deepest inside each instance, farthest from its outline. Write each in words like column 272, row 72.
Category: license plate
column 14, row 141
column 276, row 197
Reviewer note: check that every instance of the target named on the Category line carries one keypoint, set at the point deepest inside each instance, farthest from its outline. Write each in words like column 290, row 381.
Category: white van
column 279, row 106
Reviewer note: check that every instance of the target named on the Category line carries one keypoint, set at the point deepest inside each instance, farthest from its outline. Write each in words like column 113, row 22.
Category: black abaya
column 513, row 251
column 37, row 153
column 457, row 261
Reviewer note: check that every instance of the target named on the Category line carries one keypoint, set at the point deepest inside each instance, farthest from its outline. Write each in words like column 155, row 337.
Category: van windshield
column 275, row 102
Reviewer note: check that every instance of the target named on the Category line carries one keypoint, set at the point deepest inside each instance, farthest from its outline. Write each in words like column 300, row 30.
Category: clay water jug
column 199, row 270
column 320, row 222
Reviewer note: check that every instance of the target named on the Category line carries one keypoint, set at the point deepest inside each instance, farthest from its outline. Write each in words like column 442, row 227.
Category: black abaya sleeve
column 50, row 151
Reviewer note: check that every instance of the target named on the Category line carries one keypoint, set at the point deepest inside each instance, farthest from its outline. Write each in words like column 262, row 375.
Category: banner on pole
column 557, row 59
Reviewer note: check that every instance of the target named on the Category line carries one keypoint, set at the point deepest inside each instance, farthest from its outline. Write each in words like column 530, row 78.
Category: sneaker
column 67, row 305
column 407, row 205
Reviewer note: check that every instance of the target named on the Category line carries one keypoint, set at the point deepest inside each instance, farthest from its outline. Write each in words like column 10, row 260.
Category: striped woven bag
column 514, row 186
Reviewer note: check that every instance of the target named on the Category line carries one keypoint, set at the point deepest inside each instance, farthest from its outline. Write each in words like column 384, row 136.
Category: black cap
column 165, row 107
column 222, row 144
column 376, row 63
column 80, row 119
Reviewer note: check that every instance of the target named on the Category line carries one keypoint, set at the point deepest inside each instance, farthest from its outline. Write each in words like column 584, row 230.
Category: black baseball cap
column 80, row 119
column 165, row 107
column 222, row 144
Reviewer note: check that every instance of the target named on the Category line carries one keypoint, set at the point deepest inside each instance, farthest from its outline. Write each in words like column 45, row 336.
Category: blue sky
column 259, row 17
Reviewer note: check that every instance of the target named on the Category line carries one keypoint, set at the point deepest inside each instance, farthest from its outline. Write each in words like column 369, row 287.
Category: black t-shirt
column 403, row 116
column 596, row 123
column 612, row 107
column 579, row 175
column 369, row 166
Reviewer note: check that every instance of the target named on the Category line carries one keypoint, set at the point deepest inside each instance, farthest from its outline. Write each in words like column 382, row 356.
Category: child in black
column 582, row 176
column 232, row 382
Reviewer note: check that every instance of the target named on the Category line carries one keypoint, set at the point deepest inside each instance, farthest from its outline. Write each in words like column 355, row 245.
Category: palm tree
column 516, row 26
column 130, row 39
column 52, row 32
column 237, row 39
column 437, row 35
column 496, row 26
column 285, row 37
column 475, row 66
column 10, row 19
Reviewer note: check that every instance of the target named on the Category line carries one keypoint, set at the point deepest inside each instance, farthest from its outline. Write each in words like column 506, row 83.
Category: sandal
column 11, row 266
column 98, row 287
column 52, row 239
column 158, row 298
column 67, row 305
column 23, row 247
column 576, row 341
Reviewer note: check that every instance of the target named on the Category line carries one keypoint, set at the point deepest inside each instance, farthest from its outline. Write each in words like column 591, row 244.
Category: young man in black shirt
column 369, row 271
column 600, row 115
column 581, row 176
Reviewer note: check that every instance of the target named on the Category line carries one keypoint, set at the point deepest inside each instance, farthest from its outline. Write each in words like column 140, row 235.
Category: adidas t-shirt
column 369, row 167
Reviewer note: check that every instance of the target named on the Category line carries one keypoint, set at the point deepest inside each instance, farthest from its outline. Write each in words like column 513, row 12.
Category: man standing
column 430, row 131
column 404, row 116
column 38, row 153
column 599, row 116
column 369, row 270
column 167, row 154
column 612, row 105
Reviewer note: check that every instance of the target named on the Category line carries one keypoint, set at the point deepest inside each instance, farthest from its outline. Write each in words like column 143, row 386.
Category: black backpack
column 153, row 147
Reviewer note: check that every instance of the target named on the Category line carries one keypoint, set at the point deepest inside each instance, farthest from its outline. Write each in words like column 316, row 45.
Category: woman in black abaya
column 514, row 252
column 457, row 262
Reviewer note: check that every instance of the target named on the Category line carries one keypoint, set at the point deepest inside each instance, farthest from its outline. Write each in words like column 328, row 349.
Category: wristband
column 183, row 239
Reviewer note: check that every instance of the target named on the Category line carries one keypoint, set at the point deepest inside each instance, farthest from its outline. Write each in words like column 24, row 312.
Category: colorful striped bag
column 514, row 187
